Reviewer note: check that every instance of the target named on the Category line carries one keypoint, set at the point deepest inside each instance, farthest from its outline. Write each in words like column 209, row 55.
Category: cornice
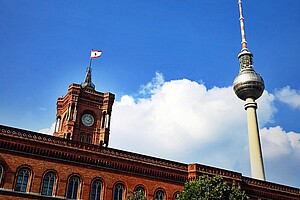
column 204, row 169
column 165, row 169
column 269, row 189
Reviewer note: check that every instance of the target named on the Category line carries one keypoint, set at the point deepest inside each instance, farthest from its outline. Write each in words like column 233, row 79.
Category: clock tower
column 84, row 114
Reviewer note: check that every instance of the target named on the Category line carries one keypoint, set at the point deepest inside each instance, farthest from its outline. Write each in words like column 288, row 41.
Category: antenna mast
column 243, row 34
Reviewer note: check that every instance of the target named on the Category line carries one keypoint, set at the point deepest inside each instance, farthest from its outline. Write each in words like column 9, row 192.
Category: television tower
column 249, row 86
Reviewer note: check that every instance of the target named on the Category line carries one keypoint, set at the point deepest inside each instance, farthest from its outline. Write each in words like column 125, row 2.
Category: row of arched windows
column 49, row 182
column 85, row 138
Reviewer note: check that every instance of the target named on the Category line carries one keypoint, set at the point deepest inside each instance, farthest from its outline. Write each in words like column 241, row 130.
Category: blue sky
column 171, row 60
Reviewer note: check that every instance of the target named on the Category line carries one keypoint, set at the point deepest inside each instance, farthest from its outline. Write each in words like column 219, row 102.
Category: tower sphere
column 248, row 84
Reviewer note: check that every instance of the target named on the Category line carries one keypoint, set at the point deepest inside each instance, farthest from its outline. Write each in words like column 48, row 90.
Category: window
column 89, row 139
column 103, row 120
column 57, row 124
column 22, row 180
column 73, row 186
column 81, row 137
column 140, row 189
column 96, row 190
column 72, row 112
column 1, row 173
column 176, row 195
column 48, row 184
column 107, row 119
column 119, row 191
column 68, row 136
column 159, row 195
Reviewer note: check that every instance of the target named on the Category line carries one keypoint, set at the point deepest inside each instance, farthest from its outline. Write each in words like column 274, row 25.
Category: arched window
column 103, row 120
column 48, row 184
column 176, row 195
column 89, row 139
column 73, row 186
column 1, row 173
column 81, row 137
column 22, row 180
column 96, row 190
column 159, row 195
column 119, row 192
column 68, row 136
column 107, row 119
column 57, row 124
column 64, row 119
column 72, row 111
column 140, row 189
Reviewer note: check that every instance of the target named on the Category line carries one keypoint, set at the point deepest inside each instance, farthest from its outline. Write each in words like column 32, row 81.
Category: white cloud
column 289, row 96
column 183, row 120
column 266, row 108
column 278, row 143
column 281, row 152
column 48, row 131
column 152, row 86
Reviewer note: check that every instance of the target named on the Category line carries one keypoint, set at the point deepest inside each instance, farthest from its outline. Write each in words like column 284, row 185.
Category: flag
column 96, row 53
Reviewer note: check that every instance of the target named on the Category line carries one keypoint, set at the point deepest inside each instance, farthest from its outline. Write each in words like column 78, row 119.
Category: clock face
column 87, row 119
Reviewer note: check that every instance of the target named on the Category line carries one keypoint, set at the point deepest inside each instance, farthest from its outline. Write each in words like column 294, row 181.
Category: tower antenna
column 242, row 26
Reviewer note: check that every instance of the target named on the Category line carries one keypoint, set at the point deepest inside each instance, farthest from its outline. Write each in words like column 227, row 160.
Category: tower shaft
column 256, row 160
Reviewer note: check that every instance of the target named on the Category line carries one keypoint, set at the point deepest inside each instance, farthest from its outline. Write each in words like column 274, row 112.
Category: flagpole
column 90, row 62
column 91, row 59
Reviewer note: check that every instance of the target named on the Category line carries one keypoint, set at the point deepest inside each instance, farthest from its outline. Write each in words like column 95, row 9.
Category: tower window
column 159, row 195
column 73, row 186
column 96, row 190
column 89, row 139
column 22, row 180
column 72, row 111
column 119, row 191
column 48, row 184
column 57, row 124
column 107, row 119
column 103, row 120
column 81, row 137
column 68, row 136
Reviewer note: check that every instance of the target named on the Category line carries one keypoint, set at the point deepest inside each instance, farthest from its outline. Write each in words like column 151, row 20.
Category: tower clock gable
column 84, row 114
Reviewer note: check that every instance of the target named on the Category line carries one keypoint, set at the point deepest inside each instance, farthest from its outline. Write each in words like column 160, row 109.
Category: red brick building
column 76, row 163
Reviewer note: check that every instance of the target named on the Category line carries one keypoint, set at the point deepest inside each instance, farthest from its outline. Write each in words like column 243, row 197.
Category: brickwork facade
column 43, row 153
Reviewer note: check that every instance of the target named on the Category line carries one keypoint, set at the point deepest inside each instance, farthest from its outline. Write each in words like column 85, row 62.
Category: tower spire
column 87, row 83
column 249, row 86
column 242, row 26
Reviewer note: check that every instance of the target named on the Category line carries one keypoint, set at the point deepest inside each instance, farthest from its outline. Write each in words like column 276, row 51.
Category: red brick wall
column 39, row 166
